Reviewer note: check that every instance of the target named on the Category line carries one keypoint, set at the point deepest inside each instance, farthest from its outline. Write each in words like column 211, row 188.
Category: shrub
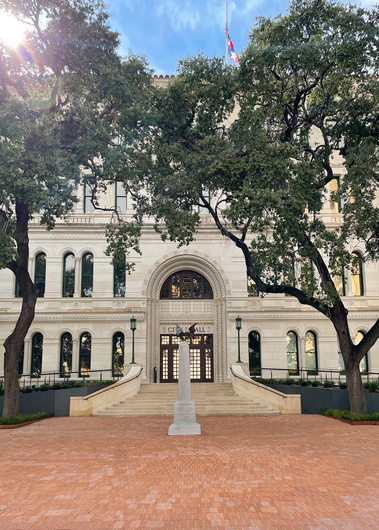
column 347, row 415
column 289, row 381
column 44, row 387
column 23, row 418
column 316, row 383
column 328, row 384
column 343, row 386
column 26, row 389
column 56, row 386
column 371, row 386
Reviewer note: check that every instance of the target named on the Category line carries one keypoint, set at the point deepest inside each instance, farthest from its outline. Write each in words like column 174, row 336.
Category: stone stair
column 211, row 399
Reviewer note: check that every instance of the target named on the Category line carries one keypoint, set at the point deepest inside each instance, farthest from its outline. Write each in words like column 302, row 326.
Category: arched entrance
column 163, row 313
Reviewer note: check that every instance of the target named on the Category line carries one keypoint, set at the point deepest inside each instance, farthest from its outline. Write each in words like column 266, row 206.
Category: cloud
column 250, row 5
column 180, row 16
column 193, row 15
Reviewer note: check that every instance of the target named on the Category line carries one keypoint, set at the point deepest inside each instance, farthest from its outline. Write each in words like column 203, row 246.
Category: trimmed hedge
column 24, row 418
column 347, row 415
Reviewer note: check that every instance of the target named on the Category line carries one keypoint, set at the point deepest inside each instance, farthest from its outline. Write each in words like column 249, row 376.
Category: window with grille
column 186, row 285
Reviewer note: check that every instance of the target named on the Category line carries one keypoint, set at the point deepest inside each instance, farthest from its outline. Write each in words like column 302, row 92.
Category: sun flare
column 11, row 31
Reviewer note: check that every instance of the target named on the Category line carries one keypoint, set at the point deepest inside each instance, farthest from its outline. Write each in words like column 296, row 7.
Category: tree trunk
column 357, row 397
column 13, row 345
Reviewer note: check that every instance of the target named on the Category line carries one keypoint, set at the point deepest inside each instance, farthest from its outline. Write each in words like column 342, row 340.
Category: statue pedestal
column 184, row 409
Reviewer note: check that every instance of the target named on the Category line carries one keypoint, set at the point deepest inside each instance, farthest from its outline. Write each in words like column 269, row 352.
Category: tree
column 304, row 97
column 60, row 97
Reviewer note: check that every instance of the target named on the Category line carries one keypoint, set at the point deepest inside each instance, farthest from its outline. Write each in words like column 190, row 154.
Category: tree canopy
column 257, row 147
column 63, row 91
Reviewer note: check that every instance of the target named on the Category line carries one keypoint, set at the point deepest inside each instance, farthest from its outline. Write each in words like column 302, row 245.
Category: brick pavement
column 294, row 472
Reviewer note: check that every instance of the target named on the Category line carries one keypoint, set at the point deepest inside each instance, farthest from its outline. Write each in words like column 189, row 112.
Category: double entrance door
column 201, row 358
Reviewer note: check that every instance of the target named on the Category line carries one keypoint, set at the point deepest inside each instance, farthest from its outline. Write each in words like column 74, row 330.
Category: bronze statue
column 190, row 334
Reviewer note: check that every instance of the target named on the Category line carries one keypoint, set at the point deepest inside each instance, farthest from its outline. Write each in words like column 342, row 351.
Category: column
column 77, row 278
column 54, row 271
column 75, row 356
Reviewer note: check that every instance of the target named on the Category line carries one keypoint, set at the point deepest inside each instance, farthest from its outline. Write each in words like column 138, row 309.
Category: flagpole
column 226, row 33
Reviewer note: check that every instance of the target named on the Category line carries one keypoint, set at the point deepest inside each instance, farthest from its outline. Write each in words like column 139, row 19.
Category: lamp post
column 238, row 328
column 133, row 327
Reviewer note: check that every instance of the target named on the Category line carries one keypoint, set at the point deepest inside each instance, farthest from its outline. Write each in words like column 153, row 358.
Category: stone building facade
column 82, row 323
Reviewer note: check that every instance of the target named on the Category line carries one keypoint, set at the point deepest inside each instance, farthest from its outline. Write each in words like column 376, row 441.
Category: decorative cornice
column 251, row 314
column 140, row 316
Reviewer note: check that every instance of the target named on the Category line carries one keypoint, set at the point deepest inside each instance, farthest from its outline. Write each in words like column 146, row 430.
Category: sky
column 166, row 31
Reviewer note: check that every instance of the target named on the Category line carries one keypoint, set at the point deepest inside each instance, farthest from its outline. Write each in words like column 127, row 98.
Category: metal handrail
column 255, row 383
column 109, row 388
column 304, row 371
column 51, row 377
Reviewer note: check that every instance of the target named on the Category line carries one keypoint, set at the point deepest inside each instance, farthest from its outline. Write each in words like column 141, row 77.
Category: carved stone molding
column 301, row 315
column 81, row 316
column 216, row 308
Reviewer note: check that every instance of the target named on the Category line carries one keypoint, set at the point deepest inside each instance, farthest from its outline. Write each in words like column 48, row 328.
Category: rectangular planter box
column 315, row 399
column 55, row 401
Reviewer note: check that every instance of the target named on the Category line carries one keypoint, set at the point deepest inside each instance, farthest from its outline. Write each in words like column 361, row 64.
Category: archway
column 210, row 313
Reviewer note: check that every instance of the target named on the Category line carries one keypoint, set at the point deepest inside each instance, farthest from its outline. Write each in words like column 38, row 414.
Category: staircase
column 211, row 399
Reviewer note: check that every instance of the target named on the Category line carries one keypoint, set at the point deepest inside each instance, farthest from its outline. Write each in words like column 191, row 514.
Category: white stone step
column 211, row 399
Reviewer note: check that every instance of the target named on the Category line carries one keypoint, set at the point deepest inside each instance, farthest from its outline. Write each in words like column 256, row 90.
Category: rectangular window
column 334, row 188
column 119, row 287
column 207, row 196
column 87, row 204
column 121, row 202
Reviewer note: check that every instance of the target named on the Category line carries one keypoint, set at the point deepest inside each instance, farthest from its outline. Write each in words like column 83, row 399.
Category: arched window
column 356, row 274
column 311, row 361
column 254, row 353
column 68, row 276
column 186, row 284
column 40, row 274
column 87, row 275
column 363, row 365
column 119, row 281
column 37, row 347
column 292, row 353
column 65, row 364
column 85, row 355
column 118, row 354
column 21, row 360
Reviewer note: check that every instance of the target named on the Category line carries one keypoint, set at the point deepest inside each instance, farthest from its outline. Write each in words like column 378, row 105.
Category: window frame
column 86, row 195
column 115, row 274
column 290, row 370
column 315, row 370
column 64, row 282
column 255, row 371
column 117, row 195
column 180, row 273
column 32, row 356
column 360, row 273
column 82, row 294
column 63, row 374
column 36, row 283
column 88, row 368
column 114, row 338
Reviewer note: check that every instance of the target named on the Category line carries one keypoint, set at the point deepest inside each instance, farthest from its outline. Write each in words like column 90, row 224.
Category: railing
column 56, row 377
column 109, row 388
column 252, row 382
column 312, row 375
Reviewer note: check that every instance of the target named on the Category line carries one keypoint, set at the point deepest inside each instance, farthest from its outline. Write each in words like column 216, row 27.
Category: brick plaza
column 284, row 472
